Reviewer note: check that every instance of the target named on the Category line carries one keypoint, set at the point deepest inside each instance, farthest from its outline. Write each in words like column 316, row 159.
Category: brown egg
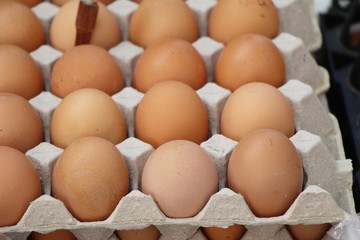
column 19, row 185
column 169, row 59
column 308, row 232
column 266, row 169
column 232, row 18
column 86, row 66
column 250, row 58
column 157, row 19
column 181, row 177
column 234, row 232
column 20, row 26
column 171, row 110
column 19, row 72
column 29, row 3
column 62, row 2
column 20, row 124
column 90, row 178
column 87, row 112
column 148, row 233
column 106, row 33
column 255, row 106
column 61, row 234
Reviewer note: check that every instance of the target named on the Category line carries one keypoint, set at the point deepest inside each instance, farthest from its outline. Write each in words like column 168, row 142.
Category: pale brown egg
column 266, row 169
column 19, row 185
column 106, row 33
column 90, row 178
column 86, row 66
column 181, row 177
column 20, row 124
column 169, row 59
column 20, row 74
column 148, row 233
column 157, row 19
column 20, row 26
column 232, row 18
column 250, row 58
column 87, row 112
column 29, row 3
column 308, row 232
column 61, row 234
column 168, row 111
column 234, row 232
column 254, row 106
column 62, row 2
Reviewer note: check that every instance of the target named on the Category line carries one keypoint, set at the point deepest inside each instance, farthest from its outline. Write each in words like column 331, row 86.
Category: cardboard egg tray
column 327, row 195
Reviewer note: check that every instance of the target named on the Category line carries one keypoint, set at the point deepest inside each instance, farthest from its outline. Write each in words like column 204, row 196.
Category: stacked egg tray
column 343, row 62
column 327, row 196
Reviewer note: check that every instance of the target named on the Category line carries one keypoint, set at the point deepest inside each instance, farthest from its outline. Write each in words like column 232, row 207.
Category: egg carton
column 327, row 197
column 294, row 42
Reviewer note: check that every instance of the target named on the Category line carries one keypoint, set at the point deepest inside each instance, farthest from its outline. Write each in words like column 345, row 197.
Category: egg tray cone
column 327, row 197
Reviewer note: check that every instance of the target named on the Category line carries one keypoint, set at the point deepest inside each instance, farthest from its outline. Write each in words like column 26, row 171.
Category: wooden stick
column 85, row 21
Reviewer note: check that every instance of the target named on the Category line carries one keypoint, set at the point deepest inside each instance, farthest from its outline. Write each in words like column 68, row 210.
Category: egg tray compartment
column 137, row 210
column 327, row 197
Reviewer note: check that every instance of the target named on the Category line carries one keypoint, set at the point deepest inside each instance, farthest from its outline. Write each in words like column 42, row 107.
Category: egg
column 90, row 178
column 87, row 112
column 254, row 106
column 266, row 169
column 250, row 58
column 169, row 59
column 106, row 33
column 19, row 72
column 157, row 19
column 308, row 232
column 20, row 26
column 181, row 177
column 148, row 233
column 29, row 3
column 62, row 2
column 86, row 66
column 232, row 18
column 171, row 110
column 234, row 232
column 61, row 234
column 19, row 185
column 20, row 124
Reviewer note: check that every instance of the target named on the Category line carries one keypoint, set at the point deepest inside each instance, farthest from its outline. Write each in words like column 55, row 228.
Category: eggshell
column 19, row 72
column 234, row 232
column 148, row 233
column 255, row 106
column 181, row 177
column 87, row 112
column 29, row 3
column 157, row 19
column 20, row 124
column 250, row 58
column 90, row 178
column 62, row 2
column 19, row 185
column 168, row 111
column 61, row 234
column 308, row 232
column 266, row 169
column 106, row 33
column 232, row 18
column 20, row 26
column 169, row 59
column 86, row 66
